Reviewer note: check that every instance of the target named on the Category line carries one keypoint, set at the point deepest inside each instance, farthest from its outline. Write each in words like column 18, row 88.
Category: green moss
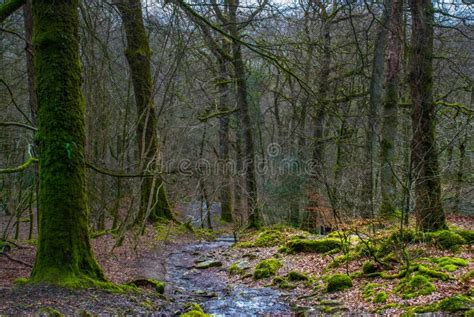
column 433, row 273
column 468, row 235
column 446, row 239
column 450, row 264
column 467, row 277
column 469, row 313
column 370, row 267
column 48, row 311
column 194, row 310
column 415, row 285
column 266, row 238
column 157, row 285
column 239, row 267
column 21, row 281
column 64, row 256
column 267, row 268
column 317, row 246
column 296, row 276
column 282, row 282
column 369, row 290
column 269, row 238
column 380, row 297
column 338, row 282
column 455, row 303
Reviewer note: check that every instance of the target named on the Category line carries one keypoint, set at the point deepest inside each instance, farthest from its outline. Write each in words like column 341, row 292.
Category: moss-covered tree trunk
column 429, row 211
column 154, row 199
column 388, row 181
column 64, row 254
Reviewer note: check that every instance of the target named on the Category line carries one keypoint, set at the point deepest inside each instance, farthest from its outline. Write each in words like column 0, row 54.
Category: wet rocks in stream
column 195, row 273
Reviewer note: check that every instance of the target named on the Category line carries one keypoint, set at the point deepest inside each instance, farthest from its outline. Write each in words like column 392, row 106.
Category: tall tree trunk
column 242, row 102
column 390, row 116
column 138, row 53
column 224, row 103
column 429, row 211
column 323, row 90
column 375, row 100
column 64, row 255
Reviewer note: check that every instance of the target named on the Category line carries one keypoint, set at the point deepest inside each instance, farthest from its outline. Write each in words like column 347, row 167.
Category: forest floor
column 209, row 269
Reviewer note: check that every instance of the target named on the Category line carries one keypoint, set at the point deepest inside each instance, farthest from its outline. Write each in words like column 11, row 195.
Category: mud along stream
column 208, row 287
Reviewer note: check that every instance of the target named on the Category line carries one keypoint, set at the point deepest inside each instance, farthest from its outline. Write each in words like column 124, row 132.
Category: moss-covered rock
column 194, row 310
column 433, row 273
column 317, row 246
column 239, row 267
column 450, row 264
column 48, row 312
column 157, row 285
column 456, row 303
column 295, row 276
column 371, row 267
column 267, row 268
column 468, row 235
column 338, row 282
column 414, row 286
column 265, row 238
column 380, row 297
column 446, row 239
column 269, row 238
column 369, row 290
column 282, row 282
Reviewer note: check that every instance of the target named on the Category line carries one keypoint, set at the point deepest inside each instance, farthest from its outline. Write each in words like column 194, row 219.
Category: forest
column 236, row 158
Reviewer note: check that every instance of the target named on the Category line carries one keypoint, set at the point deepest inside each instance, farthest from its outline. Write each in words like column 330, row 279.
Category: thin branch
column 15, row 260
column 19, row 168
column 18, row 124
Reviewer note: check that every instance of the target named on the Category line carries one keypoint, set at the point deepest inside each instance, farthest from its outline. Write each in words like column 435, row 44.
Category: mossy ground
column 437, row 261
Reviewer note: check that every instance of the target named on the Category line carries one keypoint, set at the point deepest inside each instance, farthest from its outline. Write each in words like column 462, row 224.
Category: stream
column 209, row 289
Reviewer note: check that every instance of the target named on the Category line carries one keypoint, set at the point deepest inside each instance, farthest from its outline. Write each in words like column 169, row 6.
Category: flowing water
column 211, row 291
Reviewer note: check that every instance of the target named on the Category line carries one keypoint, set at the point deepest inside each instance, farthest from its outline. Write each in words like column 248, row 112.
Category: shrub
column 338, row 282
column 267, row 268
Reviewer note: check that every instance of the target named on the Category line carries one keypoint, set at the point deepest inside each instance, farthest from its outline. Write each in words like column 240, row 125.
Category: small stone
column 207, row 264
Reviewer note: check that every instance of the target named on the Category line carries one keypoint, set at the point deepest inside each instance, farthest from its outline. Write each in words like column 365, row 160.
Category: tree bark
column 323, row 90
column 138, row 53
column 429, row 211
column 255, row 220
column 375, row 100
column 64, row 255
column 388, row 181
column 224, row 103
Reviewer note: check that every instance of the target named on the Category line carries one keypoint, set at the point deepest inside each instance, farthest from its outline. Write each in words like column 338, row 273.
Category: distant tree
column 429, row 211
column 154, row 199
